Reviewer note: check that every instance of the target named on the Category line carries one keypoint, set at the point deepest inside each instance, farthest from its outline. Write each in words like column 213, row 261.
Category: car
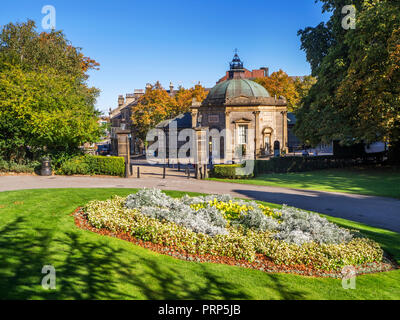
column 103, row 150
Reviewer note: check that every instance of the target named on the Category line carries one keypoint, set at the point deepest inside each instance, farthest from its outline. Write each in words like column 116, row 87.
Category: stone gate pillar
column 123, row 149
column 201, row 154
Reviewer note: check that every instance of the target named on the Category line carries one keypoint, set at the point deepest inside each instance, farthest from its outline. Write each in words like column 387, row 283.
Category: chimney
column 266, row 71
column 138, row 93
column 121, row 101
column 130, row 97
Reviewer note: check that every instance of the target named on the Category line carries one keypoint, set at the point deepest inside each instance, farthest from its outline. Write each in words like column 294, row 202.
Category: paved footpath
column 374, row 211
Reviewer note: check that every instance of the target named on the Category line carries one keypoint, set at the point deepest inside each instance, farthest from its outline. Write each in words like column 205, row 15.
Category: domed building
column 257, row 122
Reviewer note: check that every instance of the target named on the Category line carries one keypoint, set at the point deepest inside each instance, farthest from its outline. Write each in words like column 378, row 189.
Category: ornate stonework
column 258, row 122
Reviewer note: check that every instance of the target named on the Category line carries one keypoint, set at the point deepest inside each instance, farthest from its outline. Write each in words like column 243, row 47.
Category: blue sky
column 183, row 41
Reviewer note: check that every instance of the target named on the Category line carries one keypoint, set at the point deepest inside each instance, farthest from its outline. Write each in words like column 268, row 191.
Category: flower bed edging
column 261, row 263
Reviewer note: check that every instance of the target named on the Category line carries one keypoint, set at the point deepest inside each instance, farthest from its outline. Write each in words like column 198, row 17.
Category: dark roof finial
column 236, row 62
column 236, row 67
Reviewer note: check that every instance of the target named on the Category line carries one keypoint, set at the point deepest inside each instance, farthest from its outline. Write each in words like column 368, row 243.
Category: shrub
column 155, row 204
column 93, row 165
column 113, row 166
column 300, row 164
column 24, row 167
column 229, row 172
column 212, row 214
column 298, row 226
column 75, row 166
column 283, row 165
column 238, row 242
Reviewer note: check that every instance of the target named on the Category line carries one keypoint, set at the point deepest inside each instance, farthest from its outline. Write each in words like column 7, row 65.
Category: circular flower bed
column 237, row 230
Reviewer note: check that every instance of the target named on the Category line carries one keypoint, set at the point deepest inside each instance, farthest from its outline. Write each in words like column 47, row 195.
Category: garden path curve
column 374, row 211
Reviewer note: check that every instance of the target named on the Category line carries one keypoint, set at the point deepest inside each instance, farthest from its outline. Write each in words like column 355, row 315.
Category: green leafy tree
column 21, row 44
column 46, row 106
column 44, row 111
column 356, row 97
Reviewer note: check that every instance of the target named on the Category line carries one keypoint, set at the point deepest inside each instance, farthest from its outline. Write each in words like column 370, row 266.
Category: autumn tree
column 153, row 107
column 292, row 88
column 156, row 105
column 357, row 95
column 46, row 106
column 184, row 98
column 21, row 44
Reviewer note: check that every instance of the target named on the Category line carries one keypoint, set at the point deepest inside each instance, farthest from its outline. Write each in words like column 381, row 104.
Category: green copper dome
column 239, row 91
column 234, row 88
column 230, row 90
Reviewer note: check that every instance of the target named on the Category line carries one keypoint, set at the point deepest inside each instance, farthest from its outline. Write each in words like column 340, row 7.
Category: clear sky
column 183, row 41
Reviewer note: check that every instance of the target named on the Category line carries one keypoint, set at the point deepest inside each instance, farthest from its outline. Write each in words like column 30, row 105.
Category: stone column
column 256, row 134
column 124, row 148
column 201, row 150
column 194, row 118
column 284, row 146
column 228, row 138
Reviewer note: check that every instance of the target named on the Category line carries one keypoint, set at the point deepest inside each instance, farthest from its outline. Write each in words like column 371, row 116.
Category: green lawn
column 36, row 229
column 383, row 182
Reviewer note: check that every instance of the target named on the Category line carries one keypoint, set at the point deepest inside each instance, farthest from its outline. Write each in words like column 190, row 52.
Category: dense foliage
column 357, row 95
column 285, row 165
column 93, row 165
column 294, row 89
column 46, row 107
column 156, row 105
column 19, row 167
column 228, row 171
column 221, row 226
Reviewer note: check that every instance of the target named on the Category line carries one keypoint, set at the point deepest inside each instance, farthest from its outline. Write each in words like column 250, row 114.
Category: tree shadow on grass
column 21, row 259
column 87, row 269
column 173, row 283
column 81, row 269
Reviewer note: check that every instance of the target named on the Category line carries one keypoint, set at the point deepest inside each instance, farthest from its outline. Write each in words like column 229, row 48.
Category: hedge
column 228, row 171
column 284, row 165
column 93, row 165
column 301, row 164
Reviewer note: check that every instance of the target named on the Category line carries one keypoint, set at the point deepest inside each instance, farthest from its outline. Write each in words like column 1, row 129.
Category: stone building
column 257, row 122
column 120, row 119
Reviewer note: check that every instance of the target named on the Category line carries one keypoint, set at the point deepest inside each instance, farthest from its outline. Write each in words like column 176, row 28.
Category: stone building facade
column 253, row 123
column 120, row 119
column 256, row 122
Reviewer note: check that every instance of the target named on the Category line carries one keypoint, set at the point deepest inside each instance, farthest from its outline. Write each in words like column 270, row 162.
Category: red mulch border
column 261, row 263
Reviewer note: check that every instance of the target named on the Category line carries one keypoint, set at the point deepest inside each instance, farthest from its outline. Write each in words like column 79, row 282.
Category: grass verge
column 383, row 182
column 36, row 229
